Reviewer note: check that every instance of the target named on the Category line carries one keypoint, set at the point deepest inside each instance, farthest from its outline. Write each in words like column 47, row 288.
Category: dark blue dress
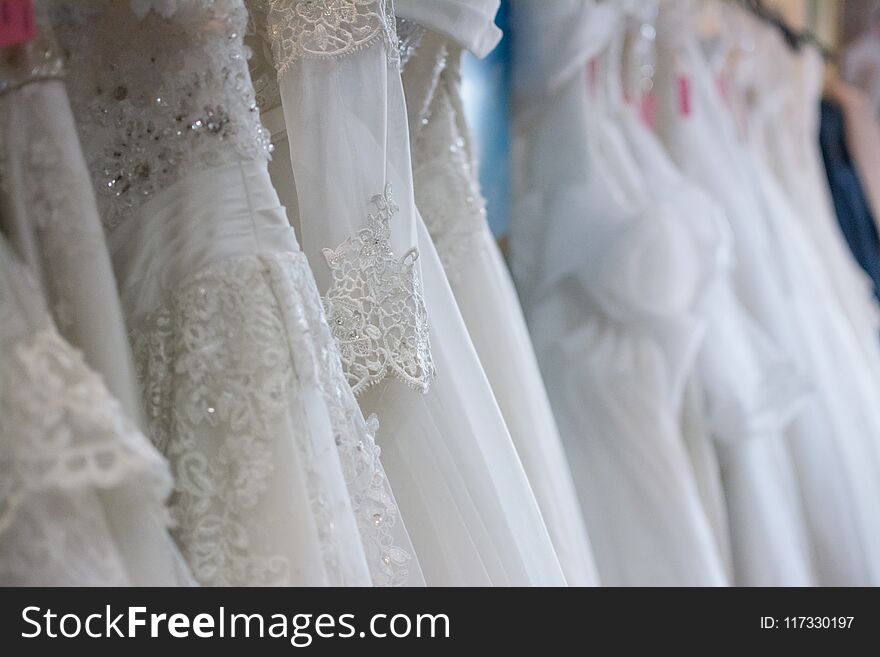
column 850, row 204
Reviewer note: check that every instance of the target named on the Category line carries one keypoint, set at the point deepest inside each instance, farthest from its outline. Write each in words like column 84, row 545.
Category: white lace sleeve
column 346, row 122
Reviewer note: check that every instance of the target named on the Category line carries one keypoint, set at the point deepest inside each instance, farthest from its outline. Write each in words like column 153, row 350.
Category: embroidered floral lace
column 375, row 306
column 321, row 29
column 445, row 179
column 232, row 355
column 245, row 391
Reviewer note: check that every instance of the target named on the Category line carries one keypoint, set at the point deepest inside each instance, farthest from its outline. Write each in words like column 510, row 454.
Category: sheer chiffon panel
column 458, row 426
column 525, row 405
column 449, row 199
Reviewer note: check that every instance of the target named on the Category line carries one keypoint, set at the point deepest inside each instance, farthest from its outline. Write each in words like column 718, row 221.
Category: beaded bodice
column 160, row 88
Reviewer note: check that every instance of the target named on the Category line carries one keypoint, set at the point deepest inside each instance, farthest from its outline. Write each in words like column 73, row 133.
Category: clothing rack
column 796, row 39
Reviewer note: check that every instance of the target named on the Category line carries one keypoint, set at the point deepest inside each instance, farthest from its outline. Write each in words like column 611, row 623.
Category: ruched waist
column 226, row 211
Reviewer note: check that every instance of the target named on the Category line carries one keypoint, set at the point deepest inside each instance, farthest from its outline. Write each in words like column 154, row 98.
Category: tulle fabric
column 749, row 392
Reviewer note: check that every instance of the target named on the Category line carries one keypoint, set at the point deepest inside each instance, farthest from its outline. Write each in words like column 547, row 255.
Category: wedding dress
column 612, row 313
column 778, row 279
column 50, row 216
column 342, row 120
column 784, row 132
column 448, row 197
column 750, row 393
column 277, row 478
column 83, row 495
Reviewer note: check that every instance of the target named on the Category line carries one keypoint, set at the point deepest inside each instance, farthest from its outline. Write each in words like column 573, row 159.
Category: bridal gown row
column 276, row 472
column 713, row 375
column 448, row 196
column 255, row 329
column 263, row 373
column 83, row 494
column 615, row 360
column 406, row 351
column 779, row 277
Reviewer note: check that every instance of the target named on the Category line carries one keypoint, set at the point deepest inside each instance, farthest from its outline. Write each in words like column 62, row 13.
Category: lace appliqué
column 373, row 505
column 375, row 306
column 222, row 366
column 321, row 29
column 216, row 378
column 70, row 433
column 446, row 187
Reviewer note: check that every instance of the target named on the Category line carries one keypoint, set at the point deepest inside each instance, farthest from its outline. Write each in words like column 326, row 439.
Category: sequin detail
column 186, row 103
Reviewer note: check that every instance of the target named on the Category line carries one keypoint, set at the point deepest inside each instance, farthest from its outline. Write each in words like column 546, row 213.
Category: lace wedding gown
column 778, row 279
column 448, row 197
column 276, row 473
column 342, row 121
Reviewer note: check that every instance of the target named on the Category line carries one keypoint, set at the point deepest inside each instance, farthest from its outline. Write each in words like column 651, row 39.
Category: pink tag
column 16, row 22
column 648, row 110
column 723, row 90
column 593, row 75
column 684, row 95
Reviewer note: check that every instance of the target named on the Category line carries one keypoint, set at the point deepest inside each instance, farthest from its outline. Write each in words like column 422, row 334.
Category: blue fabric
column 850, row 204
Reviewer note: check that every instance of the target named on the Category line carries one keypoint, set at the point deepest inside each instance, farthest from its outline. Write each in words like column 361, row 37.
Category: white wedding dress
column 613, row 283
column 342, row 121
column 277, row 478
column 50, row 215
column 779, row 279
column 83, row 495
column 789, row 94
column 750, row 393
column 82, row 501
column 448, row 197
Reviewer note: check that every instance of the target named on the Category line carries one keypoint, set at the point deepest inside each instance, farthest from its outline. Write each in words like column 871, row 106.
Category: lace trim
column 69, row 433
column 375, row 306
column 374, row 507
column 327, row 29
column 446, row 184
column 222, row 366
